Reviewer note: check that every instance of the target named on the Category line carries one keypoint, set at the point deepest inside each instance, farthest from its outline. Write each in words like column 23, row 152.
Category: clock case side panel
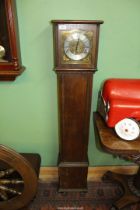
column 97, row 45
column 55, row 45
column 13, row 67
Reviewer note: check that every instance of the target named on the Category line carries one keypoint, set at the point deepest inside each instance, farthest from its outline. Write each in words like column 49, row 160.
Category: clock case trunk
column 74, row 98
column 11, row 67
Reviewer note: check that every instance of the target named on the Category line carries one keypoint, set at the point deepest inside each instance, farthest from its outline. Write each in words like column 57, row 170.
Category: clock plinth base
column 73, row 177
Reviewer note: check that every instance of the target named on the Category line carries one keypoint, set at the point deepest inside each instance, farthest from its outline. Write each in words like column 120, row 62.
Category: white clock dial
column 128, row 129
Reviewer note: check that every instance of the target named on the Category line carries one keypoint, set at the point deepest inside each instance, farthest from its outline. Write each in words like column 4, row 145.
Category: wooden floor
column 94, row 173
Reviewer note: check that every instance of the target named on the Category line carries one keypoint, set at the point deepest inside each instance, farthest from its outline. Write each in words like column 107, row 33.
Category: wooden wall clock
column 10, row 61
column 76, row 49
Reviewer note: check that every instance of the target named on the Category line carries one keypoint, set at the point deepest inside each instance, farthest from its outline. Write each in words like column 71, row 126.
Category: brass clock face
column 76, row 47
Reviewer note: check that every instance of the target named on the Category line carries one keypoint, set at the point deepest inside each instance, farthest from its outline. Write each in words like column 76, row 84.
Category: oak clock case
column 10, row 60
column 75, row 56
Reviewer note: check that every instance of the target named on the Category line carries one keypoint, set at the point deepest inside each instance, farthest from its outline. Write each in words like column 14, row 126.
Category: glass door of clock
column 5, row 54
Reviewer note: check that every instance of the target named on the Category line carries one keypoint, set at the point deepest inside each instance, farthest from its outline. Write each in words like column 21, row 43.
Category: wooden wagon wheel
column 18, row 181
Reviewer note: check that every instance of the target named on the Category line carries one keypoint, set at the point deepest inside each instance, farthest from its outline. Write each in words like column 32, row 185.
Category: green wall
column 28, row 108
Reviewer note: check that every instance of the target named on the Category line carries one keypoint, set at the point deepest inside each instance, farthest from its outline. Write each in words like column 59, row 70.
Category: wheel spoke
column 10, row 190
column 3, row 195
column 5, row 191
column 6, row 172
column 11, row 181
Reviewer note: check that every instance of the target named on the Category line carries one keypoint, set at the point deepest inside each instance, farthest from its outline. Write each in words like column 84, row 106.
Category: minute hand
column 77, row 45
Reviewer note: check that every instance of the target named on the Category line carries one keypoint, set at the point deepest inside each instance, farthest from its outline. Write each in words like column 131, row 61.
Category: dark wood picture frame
column 9, row 39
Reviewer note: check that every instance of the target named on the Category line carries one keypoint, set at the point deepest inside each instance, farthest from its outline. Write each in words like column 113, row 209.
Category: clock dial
column 2, row 52
column 77, row 46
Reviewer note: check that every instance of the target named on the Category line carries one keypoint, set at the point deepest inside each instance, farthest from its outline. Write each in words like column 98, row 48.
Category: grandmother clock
column 76, row 49
column 10, row 62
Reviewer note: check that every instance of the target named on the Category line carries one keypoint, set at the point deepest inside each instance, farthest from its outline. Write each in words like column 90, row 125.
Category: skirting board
column 94, row 173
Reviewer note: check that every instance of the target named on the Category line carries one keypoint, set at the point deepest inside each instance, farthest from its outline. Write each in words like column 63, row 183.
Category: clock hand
column 77, row 44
